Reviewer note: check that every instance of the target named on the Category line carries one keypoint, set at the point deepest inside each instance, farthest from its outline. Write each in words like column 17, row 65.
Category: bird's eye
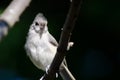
column 36, row 23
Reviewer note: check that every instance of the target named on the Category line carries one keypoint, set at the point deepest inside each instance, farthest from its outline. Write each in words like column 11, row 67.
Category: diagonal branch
column 64, row 39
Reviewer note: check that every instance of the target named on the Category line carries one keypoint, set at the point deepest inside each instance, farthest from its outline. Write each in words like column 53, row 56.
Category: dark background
column 96, row 53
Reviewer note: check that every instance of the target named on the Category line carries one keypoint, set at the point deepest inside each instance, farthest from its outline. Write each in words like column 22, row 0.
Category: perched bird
column 41, row 46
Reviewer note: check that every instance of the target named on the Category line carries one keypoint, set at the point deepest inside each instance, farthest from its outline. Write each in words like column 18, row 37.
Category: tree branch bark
column 64, row 39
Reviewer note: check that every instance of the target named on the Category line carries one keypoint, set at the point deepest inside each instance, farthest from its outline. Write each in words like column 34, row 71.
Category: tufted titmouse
column 41, row 46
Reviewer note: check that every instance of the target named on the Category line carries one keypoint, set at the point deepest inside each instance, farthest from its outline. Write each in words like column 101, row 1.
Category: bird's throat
column 41, row 33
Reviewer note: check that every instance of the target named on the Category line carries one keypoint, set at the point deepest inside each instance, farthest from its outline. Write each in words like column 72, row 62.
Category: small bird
column 41, row 46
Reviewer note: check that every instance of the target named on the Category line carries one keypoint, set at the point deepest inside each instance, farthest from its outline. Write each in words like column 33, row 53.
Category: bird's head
column 39, row 24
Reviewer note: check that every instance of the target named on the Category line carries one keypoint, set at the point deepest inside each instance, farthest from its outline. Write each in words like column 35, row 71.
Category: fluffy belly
column 43, row 60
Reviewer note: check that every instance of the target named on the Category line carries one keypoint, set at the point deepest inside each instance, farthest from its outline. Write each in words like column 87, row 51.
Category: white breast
column 40, row 51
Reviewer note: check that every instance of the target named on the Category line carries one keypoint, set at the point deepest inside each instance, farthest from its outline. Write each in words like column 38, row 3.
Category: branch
column 11, row 15
column 64, row 39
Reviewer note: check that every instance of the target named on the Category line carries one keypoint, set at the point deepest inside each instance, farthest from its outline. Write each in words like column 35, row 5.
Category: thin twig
column 64, row 39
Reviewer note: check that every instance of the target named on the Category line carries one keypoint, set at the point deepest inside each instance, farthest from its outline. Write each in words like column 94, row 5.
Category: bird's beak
column 42, row 26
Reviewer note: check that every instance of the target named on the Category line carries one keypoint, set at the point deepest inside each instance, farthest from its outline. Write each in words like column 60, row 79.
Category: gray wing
column 52, row 40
